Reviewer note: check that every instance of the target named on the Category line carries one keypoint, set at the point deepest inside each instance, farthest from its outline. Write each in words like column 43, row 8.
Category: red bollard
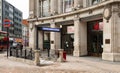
column 64, row 55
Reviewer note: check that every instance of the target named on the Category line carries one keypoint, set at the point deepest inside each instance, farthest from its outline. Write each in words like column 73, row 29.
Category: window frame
column 71, row 2
column 90, row 2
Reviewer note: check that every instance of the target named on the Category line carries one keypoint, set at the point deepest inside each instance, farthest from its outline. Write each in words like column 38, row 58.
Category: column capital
column 52, row 22
column 76, row 17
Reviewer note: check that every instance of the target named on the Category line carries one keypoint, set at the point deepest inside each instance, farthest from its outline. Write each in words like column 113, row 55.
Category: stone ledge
column 102, row 4
column 30, row 62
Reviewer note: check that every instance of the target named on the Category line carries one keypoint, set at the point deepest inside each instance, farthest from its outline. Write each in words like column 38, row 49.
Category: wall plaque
column 107, row 41
column 52, row 42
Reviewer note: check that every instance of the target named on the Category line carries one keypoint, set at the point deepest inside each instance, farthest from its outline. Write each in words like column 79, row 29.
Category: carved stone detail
column 54, row 13
column 76, row 17
column 107, row 13
column 119, row 9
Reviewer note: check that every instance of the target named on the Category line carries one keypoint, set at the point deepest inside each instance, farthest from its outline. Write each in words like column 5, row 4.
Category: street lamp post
column 25, row 37
column 7, row 24
column 8, row 40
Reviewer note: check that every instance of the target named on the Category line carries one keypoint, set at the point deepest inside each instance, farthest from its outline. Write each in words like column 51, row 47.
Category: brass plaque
column 52, row 42
column 107, row 41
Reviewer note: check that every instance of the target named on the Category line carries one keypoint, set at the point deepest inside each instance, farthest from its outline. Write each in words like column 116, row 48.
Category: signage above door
column 49, row 29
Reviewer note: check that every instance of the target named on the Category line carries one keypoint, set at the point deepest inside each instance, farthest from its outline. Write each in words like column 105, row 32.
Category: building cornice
column 75, row 12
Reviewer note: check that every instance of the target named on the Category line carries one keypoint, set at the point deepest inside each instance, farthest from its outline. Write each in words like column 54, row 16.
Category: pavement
column 72, row 65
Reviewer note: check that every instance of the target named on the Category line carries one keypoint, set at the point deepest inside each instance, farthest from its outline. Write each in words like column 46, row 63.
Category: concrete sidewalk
column 73, row 65
column 92, row 64
column 87, row 65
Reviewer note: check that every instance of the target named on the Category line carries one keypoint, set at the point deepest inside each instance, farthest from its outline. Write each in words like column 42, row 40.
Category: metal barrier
column 22, row 53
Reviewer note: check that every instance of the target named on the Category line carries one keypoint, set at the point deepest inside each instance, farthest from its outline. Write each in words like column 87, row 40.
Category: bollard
column 25, row 54
column 16, row 52
column 31, row 54
column 48, row 52
column 37, row 57
column 61, row 56
column 21, row 53
column 10, row 51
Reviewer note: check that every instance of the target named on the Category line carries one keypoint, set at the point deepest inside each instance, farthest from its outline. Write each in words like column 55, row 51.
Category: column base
column 115, row 57
column 36, row 63
column 53, row 54
column 76, row 53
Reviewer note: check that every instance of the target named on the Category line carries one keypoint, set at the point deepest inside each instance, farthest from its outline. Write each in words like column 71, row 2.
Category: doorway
column 67, row 39
column 94, row 39
column 68, row 43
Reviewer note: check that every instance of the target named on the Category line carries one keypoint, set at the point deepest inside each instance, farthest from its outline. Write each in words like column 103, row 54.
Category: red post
column 7, row 24
column 64, row 55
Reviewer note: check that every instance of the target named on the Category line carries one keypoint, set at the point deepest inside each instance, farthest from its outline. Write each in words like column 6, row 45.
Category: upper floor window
column 92, row 2
column 95, row 1
column 68, row 4
column 46, row 7
column 6, row 6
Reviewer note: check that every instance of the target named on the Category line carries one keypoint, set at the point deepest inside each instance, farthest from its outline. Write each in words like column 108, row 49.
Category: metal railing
column 22, row 53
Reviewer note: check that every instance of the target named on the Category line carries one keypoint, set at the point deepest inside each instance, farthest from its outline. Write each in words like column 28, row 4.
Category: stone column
column 54, row 7
column 78, row 4
column 63, row 6
column 54, row 39
column 40, row 39
column 61, row 58
column 60, row 5
column 37, row 57
column 111, row 35
column 80, row 38
column 37, row 8
column 31, row 8
column 32, row 36
column 85, row 3
column 41, row 8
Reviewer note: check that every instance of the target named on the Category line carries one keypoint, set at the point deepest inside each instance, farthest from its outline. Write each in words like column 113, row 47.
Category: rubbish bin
column 64, row 55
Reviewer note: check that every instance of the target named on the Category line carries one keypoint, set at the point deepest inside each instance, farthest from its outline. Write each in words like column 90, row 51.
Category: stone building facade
column 95, row 27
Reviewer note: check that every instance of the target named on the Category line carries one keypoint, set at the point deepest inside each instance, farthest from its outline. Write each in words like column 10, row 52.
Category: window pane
column 68, row 5
column 46, row 8
column 95, row 1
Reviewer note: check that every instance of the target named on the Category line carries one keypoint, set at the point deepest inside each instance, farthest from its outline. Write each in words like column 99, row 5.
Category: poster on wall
column 70, row 29
column 98, row 26
column 101, row 26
